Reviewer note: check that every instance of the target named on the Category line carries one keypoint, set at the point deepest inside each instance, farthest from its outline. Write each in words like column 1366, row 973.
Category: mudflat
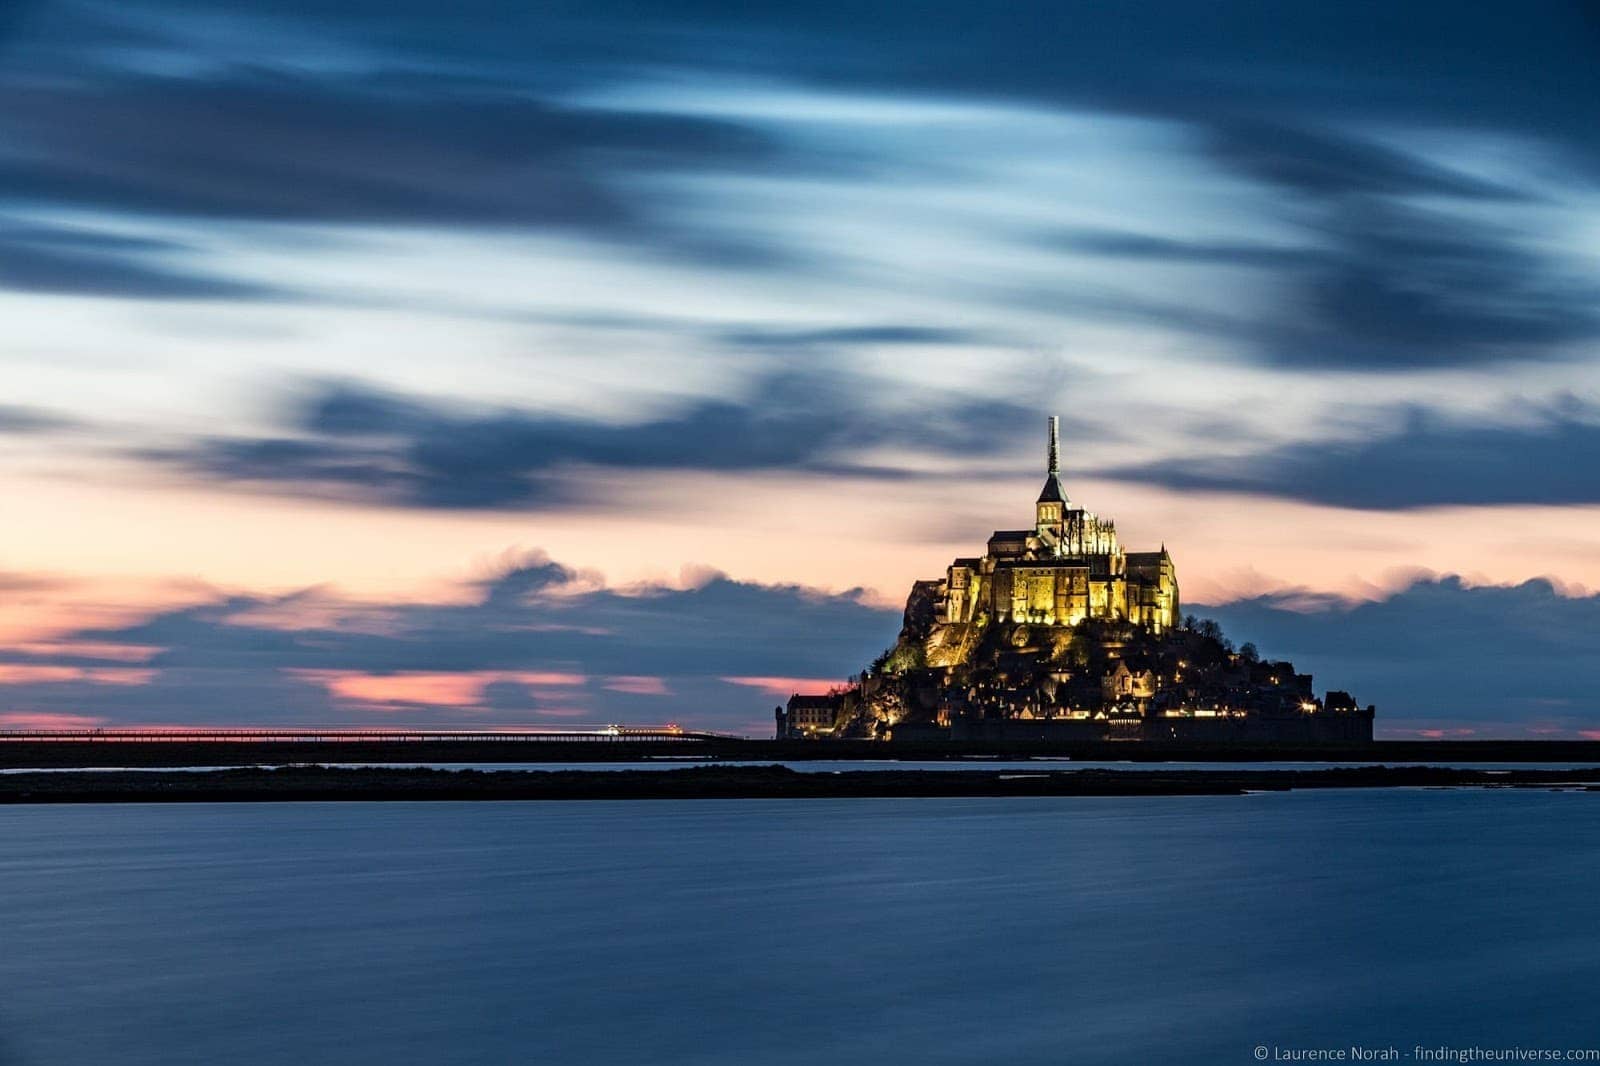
column 322, row 783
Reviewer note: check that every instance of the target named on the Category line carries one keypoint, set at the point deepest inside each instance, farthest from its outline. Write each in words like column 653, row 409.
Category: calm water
column 750, row 932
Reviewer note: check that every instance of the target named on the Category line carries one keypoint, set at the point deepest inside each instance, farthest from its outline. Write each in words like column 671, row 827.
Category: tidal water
column 1181, row 930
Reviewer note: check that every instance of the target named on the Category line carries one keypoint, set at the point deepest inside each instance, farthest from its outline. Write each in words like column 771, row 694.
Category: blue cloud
column 17, row 419
column 1426, row 461
column 1394, row 284
column 468, row 116
column 300, row 147
column 216, row 665
column 351, row 440
column 85, row 262
column 1501, row 659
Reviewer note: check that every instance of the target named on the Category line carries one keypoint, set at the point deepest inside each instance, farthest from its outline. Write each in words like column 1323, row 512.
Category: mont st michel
column 1057, row 632
column 435, row 437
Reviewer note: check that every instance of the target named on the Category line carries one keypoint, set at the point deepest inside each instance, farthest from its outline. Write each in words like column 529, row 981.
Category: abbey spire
column 1051, row 508
column 1051, row 493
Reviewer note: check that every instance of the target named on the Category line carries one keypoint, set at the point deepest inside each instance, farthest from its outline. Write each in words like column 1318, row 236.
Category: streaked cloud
column 647, row 651
column 356, row 441
column 1416, row 267
column 1421, row 459
column 82, row 261
column 20, row 420
column 410, row 690
column 637, row 685
column 1443, row 655
column 786, row 289
column 303, row 146
column 781, row 688
column 1435, row 653
column 46, row 720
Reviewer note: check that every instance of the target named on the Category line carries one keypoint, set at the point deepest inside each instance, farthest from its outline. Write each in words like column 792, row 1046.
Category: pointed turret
column 1051, row 493
column 1052, row 505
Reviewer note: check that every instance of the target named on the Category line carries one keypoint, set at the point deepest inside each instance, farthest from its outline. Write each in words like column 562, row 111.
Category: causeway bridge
column 316, row 735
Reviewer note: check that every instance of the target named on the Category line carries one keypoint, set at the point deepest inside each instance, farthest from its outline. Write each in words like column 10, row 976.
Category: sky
column 497, row 363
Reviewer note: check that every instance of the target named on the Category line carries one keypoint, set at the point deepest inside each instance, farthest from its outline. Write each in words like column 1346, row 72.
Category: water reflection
column 735, row 932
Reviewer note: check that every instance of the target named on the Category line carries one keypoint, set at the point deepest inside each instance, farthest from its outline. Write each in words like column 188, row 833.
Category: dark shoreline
column 29, row 754
column 320, row 783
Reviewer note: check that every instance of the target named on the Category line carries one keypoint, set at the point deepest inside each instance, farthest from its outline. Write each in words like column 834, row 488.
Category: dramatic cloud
column 303, row 147
column 85, row 262
column 1397, row 284
column 540, row 643
column 1425, row 461
column 21, row 420
column 1329, row 168
column 1502, row 661
column 1120, row 244
column 498, row 116
column 567, row 246
column 356, row 441
column 536, row 642
column 794, row 341
column 1395, row 263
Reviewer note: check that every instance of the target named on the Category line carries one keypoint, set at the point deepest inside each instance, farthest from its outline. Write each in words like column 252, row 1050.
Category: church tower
column 1052, row 505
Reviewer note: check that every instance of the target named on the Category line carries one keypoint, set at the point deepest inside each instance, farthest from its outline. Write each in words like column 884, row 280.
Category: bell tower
column 1052, row 505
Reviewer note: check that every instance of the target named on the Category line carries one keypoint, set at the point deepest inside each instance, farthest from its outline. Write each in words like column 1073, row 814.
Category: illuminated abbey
column 1070, row 566
column 1055, row 633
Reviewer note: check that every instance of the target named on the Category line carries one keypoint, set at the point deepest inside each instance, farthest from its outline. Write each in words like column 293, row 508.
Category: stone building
column 809, row 716
column 1057, row 633
column 1070, row 566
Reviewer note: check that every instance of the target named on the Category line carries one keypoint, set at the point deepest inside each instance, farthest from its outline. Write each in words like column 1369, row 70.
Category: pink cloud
column 52, row 617
column 784, row 687
column 122, row 653
column 463, row 689
column 1425, row 732
column 538, row 679
column 387, row 690
column 30, row 674
column 637, row 685
column 22, row 674
column 46, row 720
